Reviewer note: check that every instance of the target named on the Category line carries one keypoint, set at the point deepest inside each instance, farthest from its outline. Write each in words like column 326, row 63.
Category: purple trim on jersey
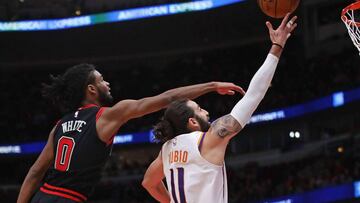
column 201, row 141
column 222, row 169
column 181, row 185
column 173, row 186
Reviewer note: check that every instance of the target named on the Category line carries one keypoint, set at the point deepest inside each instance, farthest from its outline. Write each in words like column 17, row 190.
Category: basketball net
column 348, row 17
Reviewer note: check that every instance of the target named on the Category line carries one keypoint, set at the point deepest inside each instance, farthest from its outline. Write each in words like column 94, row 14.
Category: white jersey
column 190, row 178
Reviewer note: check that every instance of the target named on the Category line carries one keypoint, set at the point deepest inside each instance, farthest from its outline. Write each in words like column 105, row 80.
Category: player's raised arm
column 229, row 125
column 113, row 117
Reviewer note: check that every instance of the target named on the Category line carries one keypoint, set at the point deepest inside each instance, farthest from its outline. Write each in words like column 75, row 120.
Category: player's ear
column 192, row 121
column 91, row 88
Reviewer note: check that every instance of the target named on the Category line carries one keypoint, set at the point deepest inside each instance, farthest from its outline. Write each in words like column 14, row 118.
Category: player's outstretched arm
column 113, row 117
column 229, row 125
column 152, row 181
column 37, row 171
column 224, row 128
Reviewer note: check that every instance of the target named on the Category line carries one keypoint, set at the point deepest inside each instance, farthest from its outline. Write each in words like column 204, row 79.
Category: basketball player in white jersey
column 192, row 157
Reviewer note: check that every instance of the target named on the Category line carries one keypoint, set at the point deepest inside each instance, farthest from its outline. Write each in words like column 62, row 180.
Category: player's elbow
column 146, row 183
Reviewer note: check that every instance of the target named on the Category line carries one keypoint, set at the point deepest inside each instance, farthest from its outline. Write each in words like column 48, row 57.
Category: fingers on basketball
column 285, row 20
column 269, row 25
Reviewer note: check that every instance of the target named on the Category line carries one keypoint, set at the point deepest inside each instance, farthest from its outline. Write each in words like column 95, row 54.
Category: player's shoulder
column 185, row 137
column 189, row 137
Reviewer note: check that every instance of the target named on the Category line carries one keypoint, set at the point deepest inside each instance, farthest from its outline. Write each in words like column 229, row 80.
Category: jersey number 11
column 180, row 185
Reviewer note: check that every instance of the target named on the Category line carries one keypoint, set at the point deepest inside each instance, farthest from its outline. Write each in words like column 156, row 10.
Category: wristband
column 276, row 44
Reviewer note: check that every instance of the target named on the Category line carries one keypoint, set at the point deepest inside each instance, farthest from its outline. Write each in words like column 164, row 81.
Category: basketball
column 278, row 8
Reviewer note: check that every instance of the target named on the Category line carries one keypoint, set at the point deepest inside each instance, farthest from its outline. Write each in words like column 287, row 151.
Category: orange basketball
column 278, row 8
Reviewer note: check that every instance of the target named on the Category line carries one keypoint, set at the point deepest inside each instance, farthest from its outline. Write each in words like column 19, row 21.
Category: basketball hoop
column 352, row 24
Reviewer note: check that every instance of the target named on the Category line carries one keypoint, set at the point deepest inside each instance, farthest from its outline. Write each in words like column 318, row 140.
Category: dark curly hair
column 67, row 91
column 174, row 122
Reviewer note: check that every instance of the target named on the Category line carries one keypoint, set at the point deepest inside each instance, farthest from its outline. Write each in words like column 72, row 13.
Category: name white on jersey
column 73, row 125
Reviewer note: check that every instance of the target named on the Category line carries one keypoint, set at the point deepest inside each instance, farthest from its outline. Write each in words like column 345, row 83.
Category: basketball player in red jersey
column 81, row 141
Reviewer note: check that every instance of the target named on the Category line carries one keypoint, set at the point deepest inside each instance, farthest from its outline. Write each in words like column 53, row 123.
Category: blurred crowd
column 26, row 116
column 251, row 183
column 254, row 183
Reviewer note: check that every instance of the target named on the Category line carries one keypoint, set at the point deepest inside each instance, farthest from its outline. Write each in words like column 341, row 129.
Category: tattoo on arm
column 226, row 126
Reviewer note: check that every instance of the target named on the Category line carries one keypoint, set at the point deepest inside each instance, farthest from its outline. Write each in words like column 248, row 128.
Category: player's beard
column 204, row 125
column 105, row 99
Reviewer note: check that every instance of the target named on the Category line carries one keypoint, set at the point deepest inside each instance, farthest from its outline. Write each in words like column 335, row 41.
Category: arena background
column 302, row 145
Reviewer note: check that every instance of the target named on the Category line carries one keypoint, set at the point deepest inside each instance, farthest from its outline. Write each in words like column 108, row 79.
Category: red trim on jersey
column 60, row 194
column 57, row 122
column 65, row 190
column 99, row 113
column 111, row 140
column 87, row 106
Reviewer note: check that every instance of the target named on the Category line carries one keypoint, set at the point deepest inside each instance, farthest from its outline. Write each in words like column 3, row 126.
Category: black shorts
column 41, row 197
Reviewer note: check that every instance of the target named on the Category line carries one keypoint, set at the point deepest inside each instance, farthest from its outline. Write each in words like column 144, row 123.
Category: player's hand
column 226, row 88
column 283, row 32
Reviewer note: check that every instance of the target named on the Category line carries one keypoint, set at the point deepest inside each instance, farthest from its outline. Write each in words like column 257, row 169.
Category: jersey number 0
column 64, row 150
